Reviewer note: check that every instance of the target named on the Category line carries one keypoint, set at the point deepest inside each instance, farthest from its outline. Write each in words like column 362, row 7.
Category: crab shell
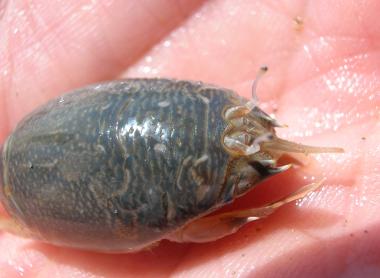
column 118, row 166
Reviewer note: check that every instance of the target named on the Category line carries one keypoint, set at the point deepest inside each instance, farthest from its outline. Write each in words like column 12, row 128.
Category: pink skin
column 323, row 81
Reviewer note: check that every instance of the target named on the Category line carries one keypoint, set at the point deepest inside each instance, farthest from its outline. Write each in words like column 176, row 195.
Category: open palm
column 324, row 82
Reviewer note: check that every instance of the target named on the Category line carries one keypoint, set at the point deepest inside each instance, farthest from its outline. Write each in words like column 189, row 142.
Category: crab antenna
column 254, row 100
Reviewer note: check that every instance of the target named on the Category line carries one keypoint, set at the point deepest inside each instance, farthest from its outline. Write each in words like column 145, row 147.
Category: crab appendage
column 240, row 147
column 241, row 111
column 254, row 101
column 278, row 144
column 214, row 227
column 244, row 149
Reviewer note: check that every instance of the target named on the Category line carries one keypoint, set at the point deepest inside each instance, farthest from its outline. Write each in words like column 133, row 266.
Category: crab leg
column 214, row 227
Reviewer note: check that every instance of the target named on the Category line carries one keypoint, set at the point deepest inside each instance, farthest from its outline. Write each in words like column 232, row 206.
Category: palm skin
column 324, row 82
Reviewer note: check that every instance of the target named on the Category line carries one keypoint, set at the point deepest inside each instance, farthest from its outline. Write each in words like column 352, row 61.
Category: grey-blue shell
column 121, row 164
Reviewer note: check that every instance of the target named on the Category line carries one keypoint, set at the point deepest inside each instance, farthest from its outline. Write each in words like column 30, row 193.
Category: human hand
column 323, row 82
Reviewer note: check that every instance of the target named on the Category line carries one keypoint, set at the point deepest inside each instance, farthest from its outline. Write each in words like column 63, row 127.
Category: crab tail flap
column 292, row 147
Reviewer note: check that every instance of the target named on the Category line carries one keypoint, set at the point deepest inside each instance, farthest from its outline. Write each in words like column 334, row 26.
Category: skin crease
column 323, row 81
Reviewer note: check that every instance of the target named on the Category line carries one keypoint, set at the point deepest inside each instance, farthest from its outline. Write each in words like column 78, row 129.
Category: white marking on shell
column 197, row 178
column 203, row 158
column 100, row 148
column 164, row 103
column 202, row 191
column 183, row 164
column 171, row 212
column 204, row 99
column 161, row 148
column 106, row 106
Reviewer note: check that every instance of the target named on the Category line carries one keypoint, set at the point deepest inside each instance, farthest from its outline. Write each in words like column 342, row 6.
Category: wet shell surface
column 118, row 166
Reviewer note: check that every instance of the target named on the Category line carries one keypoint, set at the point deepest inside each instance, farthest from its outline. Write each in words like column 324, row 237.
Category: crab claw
column 279, row 169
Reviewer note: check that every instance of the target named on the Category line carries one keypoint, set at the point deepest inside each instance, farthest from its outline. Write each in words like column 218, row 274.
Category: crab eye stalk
column 254, row 99
column 240, row 111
